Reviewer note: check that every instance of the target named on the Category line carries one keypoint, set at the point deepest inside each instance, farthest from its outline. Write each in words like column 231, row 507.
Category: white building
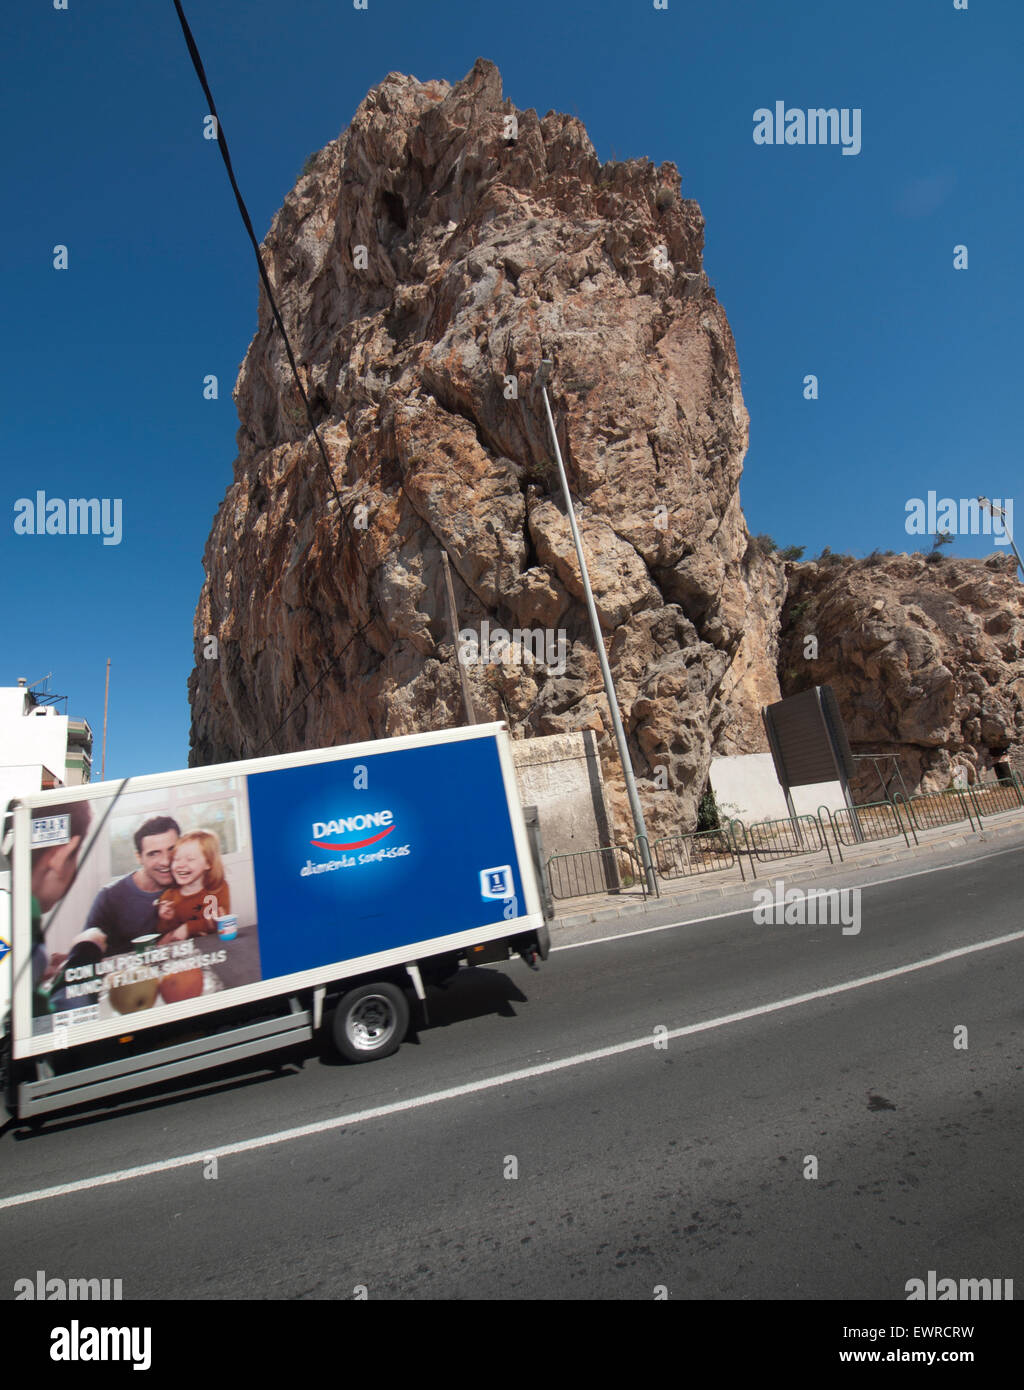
column 39, row 748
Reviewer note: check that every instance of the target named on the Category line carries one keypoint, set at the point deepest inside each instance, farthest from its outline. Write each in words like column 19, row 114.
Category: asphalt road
column 680, row 1165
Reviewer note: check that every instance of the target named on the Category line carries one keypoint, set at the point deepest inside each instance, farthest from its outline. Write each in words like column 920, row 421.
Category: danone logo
column 350, row 825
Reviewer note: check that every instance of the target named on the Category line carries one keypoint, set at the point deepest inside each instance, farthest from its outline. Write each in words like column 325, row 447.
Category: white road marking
column 491, row 1083
column 762, row 883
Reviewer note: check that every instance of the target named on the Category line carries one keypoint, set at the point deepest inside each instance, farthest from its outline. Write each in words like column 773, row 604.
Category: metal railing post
column 835, row 833
column 1016, row 786
column 967, row 808
column 897, row 798
column 825, row 839
column 740, row 852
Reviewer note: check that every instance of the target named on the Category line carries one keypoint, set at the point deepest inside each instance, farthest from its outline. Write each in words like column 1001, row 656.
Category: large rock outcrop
column 926, row 657
column 423, row 265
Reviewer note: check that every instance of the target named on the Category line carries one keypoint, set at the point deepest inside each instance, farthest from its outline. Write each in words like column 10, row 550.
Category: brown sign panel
column 837, row 730
column 807, row 738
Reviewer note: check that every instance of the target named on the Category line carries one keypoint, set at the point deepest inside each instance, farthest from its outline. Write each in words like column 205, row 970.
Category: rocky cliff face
column 926, row 659
column 423, row 266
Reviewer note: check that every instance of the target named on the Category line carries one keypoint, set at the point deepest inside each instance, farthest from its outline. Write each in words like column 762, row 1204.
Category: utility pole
column 467, row 698
column 106, row 697
column 543, row 372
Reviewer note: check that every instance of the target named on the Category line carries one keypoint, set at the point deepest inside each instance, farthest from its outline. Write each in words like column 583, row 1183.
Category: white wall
column 13, row 699
column 40, row 737
column 747, row 789
column 808, row 799
column 19, row 780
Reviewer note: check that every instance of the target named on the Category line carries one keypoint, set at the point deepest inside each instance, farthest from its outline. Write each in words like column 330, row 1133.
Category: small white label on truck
column 50, row 830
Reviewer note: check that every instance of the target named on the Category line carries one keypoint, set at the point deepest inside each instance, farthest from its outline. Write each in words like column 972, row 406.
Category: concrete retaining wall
column 560, row 774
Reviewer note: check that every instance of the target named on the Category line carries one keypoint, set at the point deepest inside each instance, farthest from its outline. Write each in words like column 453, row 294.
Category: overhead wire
column 197, row 63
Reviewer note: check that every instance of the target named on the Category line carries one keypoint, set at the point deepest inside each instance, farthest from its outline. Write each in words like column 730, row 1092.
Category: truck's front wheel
column 370, row 1021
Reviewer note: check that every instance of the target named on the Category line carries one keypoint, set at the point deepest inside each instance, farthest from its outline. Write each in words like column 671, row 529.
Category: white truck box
column 244, row 897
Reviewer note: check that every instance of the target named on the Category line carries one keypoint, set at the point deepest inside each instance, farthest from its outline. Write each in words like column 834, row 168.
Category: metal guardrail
column 932, row 810
column 874, row 820
column 993, row 798
column 700, row 852
column 619, row 868
column 583, row 872
column 775, row 839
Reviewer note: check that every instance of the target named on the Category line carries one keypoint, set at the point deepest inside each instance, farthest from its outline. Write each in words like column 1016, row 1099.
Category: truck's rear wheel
column 370, row 1021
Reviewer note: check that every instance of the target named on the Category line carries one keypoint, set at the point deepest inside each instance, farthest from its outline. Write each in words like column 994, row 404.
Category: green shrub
column 707, row 812
column 542, row 473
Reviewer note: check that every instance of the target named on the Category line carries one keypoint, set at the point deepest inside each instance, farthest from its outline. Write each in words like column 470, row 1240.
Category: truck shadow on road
column 471, row 994
column 475, row 993
column 232, row 1076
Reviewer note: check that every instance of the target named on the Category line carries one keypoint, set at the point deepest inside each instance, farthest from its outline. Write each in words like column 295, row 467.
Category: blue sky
column 828, row 264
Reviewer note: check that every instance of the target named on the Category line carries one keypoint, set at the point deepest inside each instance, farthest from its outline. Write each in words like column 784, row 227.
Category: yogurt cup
column 227, row 928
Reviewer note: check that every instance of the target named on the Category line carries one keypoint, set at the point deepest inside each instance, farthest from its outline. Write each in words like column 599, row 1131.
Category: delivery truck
column 163, row 925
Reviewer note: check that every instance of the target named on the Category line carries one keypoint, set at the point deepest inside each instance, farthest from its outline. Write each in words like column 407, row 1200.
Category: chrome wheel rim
column 371, row 1023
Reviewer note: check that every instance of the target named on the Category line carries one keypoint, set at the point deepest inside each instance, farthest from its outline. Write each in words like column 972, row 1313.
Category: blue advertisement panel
column 371, row 853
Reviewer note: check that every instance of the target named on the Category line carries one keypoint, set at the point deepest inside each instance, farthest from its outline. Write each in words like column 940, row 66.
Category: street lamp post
column 543, row 372
column 998, row 511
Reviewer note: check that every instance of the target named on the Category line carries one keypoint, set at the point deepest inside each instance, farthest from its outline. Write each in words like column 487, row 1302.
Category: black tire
column 370, row 1021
